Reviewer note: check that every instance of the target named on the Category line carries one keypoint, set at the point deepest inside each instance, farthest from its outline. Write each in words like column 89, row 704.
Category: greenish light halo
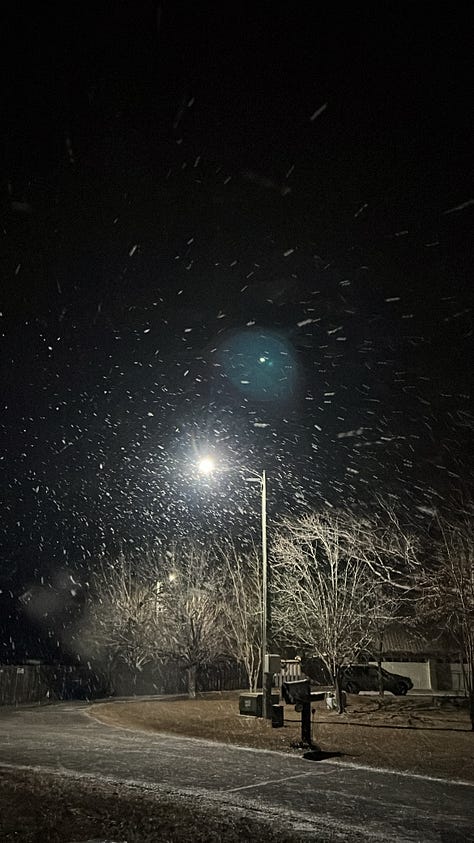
column 260, row 363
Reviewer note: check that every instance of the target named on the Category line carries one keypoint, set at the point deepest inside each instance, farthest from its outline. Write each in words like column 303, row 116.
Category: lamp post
column 206, row 466
column 266, row 675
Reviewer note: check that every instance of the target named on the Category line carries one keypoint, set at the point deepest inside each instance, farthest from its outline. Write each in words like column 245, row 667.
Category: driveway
column 328, row 799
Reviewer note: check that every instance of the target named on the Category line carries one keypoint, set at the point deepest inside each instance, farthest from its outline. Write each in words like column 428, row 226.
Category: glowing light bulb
column 206, row 465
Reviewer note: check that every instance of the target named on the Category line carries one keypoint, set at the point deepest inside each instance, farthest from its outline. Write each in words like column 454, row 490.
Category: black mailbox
column 296, row 692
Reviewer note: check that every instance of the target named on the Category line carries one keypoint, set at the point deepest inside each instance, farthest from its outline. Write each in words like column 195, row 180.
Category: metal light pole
column 206, row 466
column 266, row 675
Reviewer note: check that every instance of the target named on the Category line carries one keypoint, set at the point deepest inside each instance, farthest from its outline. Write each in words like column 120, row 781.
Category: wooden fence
column 39, row 683
column 227, row 677
column 172, row 679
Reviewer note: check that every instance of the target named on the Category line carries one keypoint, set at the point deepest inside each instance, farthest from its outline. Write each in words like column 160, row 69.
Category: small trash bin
column 277, row 716
column 331, row 700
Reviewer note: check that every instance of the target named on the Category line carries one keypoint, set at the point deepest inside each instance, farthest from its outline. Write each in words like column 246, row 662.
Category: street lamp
column 207, row 466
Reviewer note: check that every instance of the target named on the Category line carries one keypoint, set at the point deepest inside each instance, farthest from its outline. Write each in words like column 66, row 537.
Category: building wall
column 419, row 672
column 456, row 676
column 430, row 674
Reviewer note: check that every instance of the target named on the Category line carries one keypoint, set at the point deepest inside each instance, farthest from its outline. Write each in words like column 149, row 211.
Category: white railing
column 291, row 670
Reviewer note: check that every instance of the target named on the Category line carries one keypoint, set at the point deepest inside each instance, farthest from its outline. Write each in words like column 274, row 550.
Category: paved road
column 326, row 800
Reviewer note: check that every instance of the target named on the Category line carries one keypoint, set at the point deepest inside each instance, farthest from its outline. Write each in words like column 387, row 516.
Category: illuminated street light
column 206, row 466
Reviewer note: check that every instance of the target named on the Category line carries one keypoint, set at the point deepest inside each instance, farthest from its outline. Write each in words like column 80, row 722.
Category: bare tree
column 191, row 608
column 118, row 619
column 447, row 591
column 327, row 574
column 389, row 606
column 155, row 605
column 242, row 569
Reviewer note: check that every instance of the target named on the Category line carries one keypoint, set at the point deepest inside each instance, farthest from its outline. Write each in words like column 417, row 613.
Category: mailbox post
column 298, row 693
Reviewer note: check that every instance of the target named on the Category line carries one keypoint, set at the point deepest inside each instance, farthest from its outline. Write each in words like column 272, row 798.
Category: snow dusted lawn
column 410, row 734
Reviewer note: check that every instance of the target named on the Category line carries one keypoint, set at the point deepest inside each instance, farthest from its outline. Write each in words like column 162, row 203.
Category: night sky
column 232, row 228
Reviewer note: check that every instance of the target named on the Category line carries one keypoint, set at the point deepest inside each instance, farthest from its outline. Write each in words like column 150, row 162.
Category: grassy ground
column 59, row 809
column 411, row 734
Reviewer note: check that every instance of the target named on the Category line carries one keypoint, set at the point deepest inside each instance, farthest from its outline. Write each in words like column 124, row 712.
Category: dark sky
column 176, row 174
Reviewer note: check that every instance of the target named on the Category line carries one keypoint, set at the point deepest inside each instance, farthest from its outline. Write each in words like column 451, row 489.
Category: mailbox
column 296, row 692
